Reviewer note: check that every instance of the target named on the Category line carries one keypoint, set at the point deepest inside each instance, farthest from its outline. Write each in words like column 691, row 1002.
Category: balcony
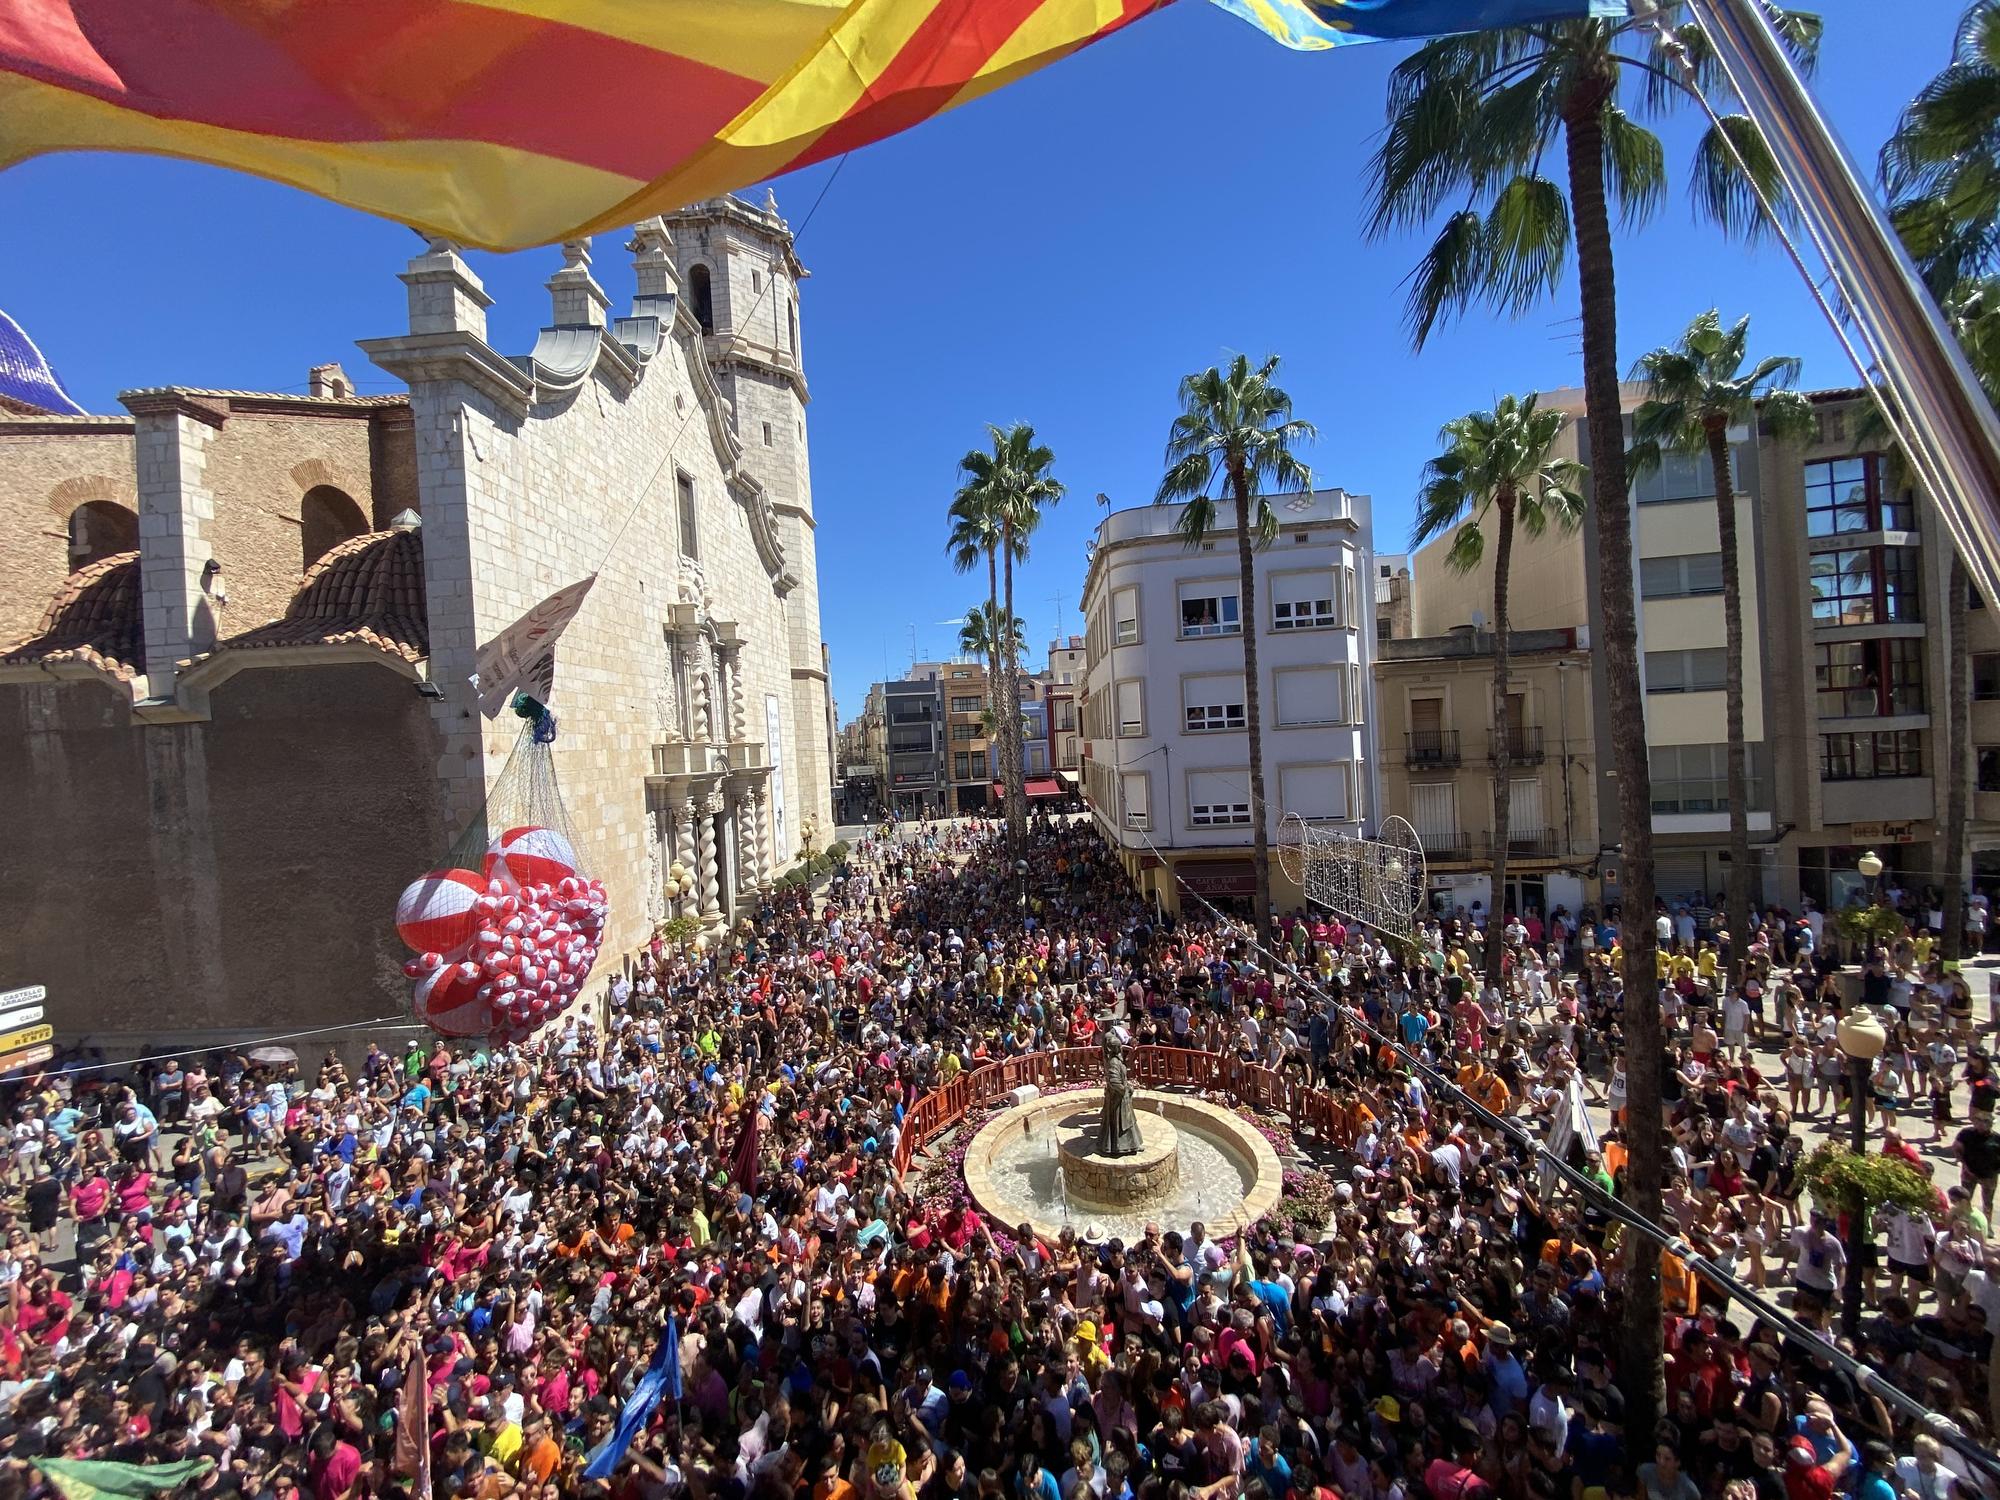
column 1529, row 843
column 1524, row 747
column 1458, row 848
column 687, row 758
column 1430, row 749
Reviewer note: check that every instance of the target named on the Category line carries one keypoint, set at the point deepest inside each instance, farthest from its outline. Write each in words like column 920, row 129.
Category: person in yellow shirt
column 1704, row 966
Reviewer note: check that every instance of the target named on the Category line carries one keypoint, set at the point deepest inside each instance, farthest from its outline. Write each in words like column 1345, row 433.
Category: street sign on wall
column 27, row 1036
column 27, row 994
column 32, row 1057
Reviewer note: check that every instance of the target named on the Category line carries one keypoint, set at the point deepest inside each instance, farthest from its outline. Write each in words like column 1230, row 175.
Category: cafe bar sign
column 1883, row 833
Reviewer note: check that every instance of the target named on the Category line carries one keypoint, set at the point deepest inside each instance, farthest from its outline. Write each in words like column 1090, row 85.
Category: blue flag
column 662, row 1378
column 1313, row 25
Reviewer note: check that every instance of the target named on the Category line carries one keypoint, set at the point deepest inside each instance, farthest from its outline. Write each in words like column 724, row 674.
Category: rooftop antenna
column 1058, row 604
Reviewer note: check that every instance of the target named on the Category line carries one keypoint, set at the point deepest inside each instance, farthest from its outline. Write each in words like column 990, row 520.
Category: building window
column 1865, row 586
column 1135, row 790
column 966, row 705
column 979, row 765
column 1218, row 814
column 767, row 434
column 1209, row 614
column 701, row 298
column 1680, row 476
column 1695, row 778
column 690, row 538
column 756, row 280
column 1686, row 671
column 1869, row 679
column 1870, row 757
column 961, row 765
column 792, row 318
column 1213, row 703
column 1687, row 576
column 1131, row 711
column 1303, row 601
column 1384, row 629
column 965, row 732
column 1989, row 768
column 1850, row 494
column 1311, row 695
column 1124, row 617
column 1986, row 675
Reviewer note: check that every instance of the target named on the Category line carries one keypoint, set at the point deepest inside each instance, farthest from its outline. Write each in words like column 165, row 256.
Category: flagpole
column 1914, row 367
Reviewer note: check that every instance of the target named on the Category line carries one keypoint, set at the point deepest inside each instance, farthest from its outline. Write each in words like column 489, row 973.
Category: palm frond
column 1732, row 165
column 1527, row 242
column 1635, row 167
column 1450, row 276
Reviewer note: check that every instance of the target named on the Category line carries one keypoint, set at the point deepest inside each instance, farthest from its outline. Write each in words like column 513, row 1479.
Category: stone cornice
column 454, row 355
column 170, row 402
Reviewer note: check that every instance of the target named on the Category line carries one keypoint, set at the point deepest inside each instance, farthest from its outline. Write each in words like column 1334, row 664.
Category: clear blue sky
column 1058, row 253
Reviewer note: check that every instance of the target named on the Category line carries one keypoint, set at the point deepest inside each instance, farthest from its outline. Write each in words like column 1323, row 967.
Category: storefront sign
column 1883, row 833
column 1222, row 877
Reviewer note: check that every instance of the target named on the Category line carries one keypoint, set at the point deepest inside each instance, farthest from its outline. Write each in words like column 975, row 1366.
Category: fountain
column 1041, row 1162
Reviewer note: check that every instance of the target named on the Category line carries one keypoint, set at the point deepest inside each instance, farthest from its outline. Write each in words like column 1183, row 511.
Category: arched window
column 327, row 517
column 99, row 529
column 702, row 298
column 792, row 309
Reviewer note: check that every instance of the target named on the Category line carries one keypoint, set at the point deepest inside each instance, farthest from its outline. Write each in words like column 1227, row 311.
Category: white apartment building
column 1166, row 767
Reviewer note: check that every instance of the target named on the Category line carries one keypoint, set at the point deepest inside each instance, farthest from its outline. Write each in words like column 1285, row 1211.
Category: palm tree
column 1236, row 432
column 1696, row 390
column 982, row 635
column 1941, row 166
column 996, row 511
column 1470, row 121
column 1497, row 464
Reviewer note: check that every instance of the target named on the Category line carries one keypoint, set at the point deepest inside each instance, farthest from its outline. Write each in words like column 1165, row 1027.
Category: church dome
column 28, row 382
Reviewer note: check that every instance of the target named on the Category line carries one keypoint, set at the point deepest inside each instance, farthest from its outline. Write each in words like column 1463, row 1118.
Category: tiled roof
column 26, row 377
column 369, row 590
column 95, row 618
column 392, row 398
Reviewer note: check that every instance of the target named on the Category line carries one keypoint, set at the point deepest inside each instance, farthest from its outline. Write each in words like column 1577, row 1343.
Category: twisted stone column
column 739, row 715
column 762, row 842
column 690, row 836
column 744, row 816
column 711, row 874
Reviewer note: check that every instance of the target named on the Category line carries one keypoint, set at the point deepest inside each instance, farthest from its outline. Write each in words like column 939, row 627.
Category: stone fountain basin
column 1120, row 1193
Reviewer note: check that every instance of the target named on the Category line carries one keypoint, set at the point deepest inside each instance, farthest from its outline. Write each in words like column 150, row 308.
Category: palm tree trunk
column 1502, row 756
column 1246, row 584
column 994, row 747
column 1737, row 900
column 1958, row 751
column 1013, row 789
column 1583, row 132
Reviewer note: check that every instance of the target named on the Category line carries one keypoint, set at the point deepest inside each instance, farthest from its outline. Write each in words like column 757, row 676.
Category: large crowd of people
column 255, row 1264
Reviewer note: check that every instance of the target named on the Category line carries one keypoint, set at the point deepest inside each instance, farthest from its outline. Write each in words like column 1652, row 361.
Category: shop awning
column 1037, row 786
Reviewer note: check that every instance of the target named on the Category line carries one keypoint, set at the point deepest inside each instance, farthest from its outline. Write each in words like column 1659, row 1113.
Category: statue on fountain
column 1117, row 1123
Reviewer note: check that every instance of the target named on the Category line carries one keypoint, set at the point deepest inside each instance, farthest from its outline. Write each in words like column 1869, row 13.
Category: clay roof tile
column 95, row 618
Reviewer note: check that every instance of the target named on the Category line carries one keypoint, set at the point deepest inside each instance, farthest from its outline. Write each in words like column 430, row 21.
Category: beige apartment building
column 1844, row 584
column 1434, row 706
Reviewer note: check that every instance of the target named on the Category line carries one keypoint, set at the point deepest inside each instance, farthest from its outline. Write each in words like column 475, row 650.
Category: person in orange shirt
column 541, row 1454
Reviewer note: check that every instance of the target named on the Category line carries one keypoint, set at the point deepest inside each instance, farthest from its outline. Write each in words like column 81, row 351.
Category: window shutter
column 1315, row 791
column 1312, row 696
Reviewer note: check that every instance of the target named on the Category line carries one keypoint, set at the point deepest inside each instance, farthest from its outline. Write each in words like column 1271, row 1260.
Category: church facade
column 238, row 634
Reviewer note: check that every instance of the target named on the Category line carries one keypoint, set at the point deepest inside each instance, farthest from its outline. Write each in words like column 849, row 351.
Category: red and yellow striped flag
column 504, row 123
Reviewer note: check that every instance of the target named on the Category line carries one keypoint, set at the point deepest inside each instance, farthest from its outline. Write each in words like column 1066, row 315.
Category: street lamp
column 1862, row 1038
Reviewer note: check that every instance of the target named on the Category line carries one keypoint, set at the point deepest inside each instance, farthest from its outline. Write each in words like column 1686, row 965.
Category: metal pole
column 1857, row 1227
column 1950, row 433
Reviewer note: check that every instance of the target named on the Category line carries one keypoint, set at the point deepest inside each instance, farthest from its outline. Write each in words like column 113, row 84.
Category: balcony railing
column 1430, row 747
column 1458, row 847
column 1524, row 746
column 1529, row 843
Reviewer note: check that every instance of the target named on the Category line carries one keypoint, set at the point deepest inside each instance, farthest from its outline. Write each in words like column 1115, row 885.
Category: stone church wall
column 218, row 879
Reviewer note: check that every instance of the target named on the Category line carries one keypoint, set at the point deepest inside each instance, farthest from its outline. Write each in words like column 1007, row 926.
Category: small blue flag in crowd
column 662, row 1378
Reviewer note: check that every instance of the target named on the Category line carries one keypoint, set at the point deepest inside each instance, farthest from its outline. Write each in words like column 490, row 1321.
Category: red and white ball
column 436, row 912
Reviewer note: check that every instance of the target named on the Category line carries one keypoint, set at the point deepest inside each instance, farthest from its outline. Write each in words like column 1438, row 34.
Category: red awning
column 1037, row 786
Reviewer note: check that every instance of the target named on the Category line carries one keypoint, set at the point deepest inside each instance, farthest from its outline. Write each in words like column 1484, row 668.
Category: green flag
column 87, row 1478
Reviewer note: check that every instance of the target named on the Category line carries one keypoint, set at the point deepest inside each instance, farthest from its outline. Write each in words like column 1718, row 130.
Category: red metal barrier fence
column 1310, row 1109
